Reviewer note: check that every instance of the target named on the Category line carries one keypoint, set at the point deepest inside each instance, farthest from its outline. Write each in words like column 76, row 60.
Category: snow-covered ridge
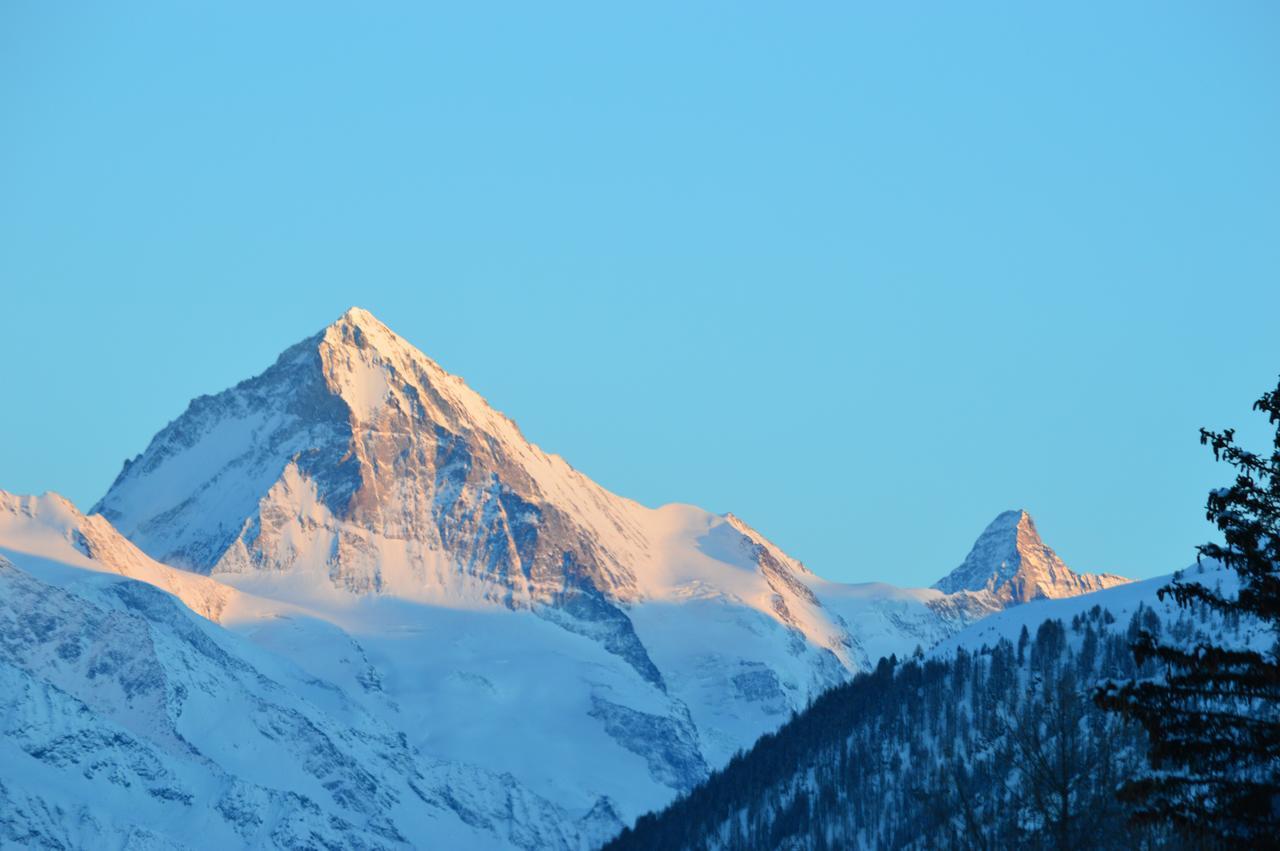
column 1122, row 600
column 49, row 527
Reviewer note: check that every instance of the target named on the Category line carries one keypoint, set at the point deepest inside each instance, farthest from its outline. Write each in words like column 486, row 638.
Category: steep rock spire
column 1010, row 562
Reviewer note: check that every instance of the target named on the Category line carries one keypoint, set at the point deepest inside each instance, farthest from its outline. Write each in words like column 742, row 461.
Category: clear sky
column 863, row 274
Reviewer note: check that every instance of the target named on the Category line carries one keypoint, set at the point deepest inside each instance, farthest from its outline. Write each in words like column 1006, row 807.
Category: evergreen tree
column 1212, row 712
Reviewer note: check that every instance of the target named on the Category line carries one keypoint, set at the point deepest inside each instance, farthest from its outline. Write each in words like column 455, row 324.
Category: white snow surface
column 128, row 721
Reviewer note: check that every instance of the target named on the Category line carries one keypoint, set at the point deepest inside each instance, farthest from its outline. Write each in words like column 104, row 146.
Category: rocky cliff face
column 1011, row 564
column 358, row 452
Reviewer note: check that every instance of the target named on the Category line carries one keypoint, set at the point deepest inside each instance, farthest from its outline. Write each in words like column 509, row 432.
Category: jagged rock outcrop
column 1011, row 564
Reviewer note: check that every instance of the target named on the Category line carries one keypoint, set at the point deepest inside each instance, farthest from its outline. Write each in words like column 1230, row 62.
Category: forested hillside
column 996, row 747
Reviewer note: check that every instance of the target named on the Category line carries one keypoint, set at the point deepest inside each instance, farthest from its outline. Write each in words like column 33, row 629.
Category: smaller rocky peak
column 1011, row 562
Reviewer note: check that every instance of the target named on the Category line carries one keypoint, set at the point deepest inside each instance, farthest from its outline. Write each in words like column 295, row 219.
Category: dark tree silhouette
column 969, row 751
column 1211, row 712
column 1066, row 767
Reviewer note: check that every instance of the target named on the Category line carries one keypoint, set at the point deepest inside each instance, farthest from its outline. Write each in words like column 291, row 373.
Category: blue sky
column 864, row 275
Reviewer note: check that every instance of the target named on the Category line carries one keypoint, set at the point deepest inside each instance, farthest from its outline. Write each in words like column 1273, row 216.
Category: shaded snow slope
column 128, row 721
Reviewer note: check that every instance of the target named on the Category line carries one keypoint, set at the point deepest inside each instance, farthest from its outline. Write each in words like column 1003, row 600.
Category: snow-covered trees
column 1213, row 711
column 980, row 749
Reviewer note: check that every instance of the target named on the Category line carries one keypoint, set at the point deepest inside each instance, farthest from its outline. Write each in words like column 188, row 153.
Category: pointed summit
column 357, row 456
column 1010, row 562
column 357, row 318
column 360, row 329
column 357, row 315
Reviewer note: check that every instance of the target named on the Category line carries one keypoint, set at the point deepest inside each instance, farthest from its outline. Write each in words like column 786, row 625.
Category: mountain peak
column 359, row 318
column 357, row 314
column 361, row 329
column 1011, row 562
column 358, row 455
column 1013, row 521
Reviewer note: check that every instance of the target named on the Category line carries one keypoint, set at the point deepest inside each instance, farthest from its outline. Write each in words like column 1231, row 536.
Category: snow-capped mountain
column 1010, row 563
column 366, row 533
column 356, row 452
